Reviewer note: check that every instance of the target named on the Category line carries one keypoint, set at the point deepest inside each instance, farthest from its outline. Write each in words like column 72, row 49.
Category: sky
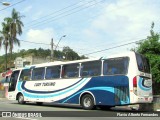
column 89, row 25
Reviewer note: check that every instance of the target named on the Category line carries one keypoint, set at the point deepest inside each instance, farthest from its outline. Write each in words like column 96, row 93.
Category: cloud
column 37, row 36
column 124, row 18
column 111, row 23
column 122, row 21
column 37, row 15
column 27, row 9
column 44, row 35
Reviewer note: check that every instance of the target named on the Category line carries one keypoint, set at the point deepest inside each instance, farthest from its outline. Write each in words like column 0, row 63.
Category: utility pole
column 52, row 51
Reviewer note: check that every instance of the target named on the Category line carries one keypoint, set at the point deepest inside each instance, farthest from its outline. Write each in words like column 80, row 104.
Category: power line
column 91, row 52
column 44, row 21
column 51, row 20
column 12, row 5
column 86, row 49
column 114, row 47
column 33, row 42
column 37, row 43
column 106, row 44
column 37, row 24
column 53, row 12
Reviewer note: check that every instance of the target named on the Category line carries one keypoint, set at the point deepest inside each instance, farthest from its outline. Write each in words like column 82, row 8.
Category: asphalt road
column 66, row 112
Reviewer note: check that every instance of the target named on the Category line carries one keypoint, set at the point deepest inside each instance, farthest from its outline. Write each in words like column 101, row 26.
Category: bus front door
column 12, row 85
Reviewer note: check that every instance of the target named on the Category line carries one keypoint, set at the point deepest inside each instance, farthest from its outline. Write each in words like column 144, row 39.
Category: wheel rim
column 20, row 99
column 87, row 102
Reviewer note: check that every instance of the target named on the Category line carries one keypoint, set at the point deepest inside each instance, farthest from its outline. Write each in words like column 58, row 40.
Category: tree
column 70, row 54
column 4, row 39
column 15, row 27
column 10, row 28
column 151, row 49
column 67, row 52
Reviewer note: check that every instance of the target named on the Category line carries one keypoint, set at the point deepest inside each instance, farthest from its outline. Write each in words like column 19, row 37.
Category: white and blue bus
column 122, row 79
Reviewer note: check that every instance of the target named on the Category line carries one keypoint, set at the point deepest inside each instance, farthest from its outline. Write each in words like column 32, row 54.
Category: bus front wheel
column 87, row 102
column 21, row 99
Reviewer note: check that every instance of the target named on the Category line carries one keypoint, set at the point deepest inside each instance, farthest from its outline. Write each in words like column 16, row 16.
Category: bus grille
column 121, row 95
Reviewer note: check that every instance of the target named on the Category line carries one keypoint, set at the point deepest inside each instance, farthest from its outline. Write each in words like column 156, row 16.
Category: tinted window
column 115, row 66
column 25, row 74
column 143, row 63
column 71, row 70
column 13, row 80
column 38, row 73
column 92, row 68
column 53, row 72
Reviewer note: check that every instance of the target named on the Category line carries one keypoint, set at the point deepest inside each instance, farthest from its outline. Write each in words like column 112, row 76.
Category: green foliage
column 11, row 27
column 66, row 53
column 70, row 54
column 151, row 49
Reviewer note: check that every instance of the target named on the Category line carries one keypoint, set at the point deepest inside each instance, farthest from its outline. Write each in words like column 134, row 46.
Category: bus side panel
column 98, row 94
column 107, row 90
column 36, row 91
column 102, row 97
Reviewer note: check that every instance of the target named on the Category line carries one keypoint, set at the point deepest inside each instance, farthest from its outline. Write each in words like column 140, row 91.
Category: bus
column 116, row 80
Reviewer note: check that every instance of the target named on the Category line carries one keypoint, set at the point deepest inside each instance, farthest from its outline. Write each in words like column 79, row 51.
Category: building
column 30, row 60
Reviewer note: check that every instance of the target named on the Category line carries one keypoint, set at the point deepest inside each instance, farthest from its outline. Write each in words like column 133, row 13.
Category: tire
column 87, row 102
column 21, row 99
column 39, row 103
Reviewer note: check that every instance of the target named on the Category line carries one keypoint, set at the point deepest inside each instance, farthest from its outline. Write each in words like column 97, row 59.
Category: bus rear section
column 142, row 82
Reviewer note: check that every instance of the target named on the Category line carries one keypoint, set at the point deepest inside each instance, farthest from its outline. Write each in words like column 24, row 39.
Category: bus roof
column 62, row 62
column 129, row 53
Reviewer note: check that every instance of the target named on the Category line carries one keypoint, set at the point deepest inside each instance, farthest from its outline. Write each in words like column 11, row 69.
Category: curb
column 3, row 99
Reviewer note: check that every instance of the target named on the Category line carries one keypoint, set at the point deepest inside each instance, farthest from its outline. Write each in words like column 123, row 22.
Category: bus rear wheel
column 21, row 99
column 87, row 102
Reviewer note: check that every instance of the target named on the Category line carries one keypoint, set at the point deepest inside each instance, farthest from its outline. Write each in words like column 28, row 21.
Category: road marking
column 26, row 118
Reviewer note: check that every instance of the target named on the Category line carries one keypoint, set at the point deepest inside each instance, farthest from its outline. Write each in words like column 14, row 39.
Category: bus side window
column 105, row 68
column 125, row 66
column 91, row 68
column 115, row 66
column 70, row 70
column 112, row 71
column 38, row 73
column 53, row 72
column 25, row 74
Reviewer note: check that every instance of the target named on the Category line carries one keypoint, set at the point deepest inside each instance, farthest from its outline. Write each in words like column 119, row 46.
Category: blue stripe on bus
column 141, row 86
column 103, row 96
column 108, row 89
column 19, row 86
column 106, row 82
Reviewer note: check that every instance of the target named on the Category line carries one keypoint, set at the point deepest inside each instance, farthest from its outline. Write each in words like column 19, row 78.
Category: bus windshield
column 143, row 63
